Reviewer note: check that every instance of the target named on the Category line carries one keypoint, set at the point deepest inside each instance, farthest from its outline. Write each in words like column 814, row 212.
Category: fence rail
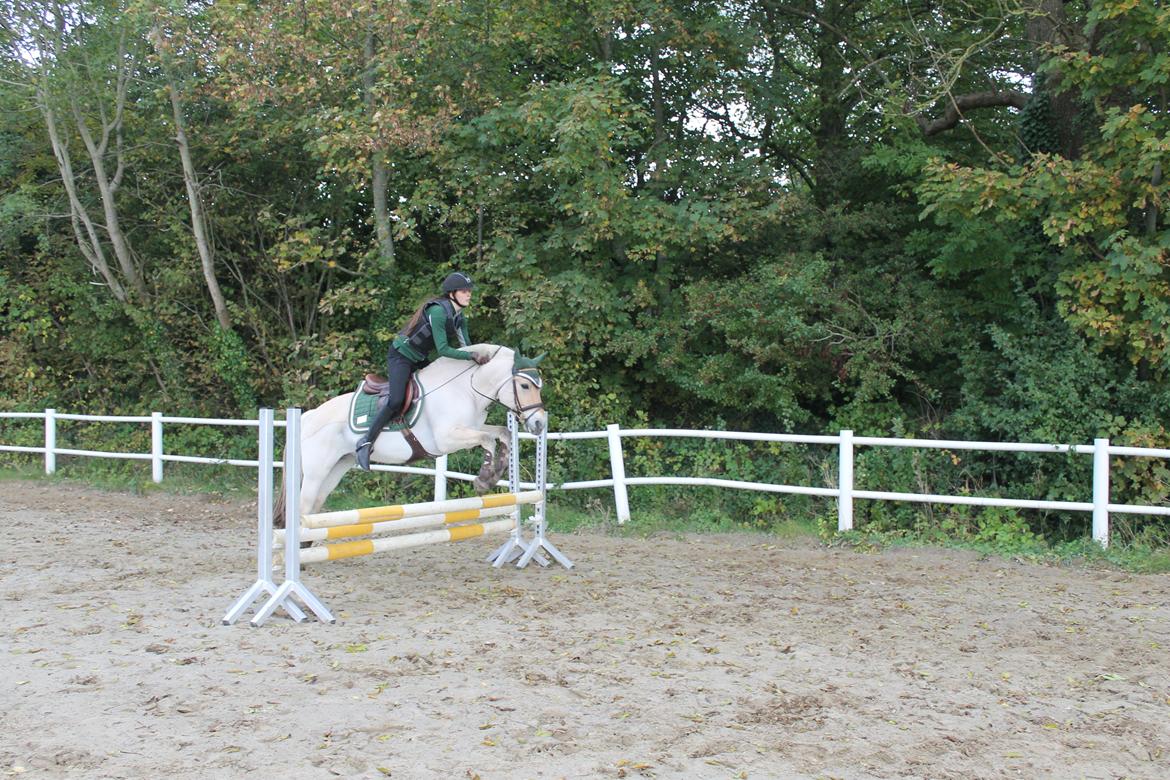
column 845, row 491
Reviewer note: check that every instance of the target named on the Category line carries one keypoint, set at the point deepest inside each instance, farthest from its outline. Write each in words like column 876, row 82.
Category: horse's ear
column 520, row 362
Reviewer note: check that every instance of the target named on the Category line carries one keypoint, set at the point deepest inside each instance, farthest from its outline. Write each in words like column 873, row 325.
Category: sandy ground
column 697, row 657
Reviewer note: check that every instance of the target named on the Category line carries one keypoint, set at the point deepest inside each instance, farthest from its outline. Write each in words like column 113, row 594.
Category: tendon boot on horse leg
column 495, row 463
column 500, row 460
column 484, row 479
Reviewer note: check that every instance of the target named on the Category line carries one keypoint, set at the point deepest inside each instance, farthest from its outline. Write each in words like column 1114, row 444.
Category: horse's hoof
column 481, row 486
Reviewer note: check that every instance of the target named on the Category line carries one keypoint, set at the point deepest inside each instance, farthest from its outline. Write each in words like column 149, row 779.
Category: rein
column 518, row 411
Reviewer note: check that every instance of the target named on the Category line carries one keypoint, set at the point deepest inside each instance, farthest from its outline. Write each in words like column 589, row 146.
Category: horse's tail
column 278, row 513
column 278, row 508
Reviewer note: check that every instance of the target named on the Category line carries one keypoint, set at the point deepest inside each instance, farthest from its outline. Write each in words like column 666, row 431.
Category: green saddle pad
column 363, row 407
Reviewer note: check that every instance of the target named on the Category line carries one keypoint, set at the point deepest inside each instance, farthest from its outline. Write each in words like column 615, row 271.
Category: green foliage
column 1001, row 528
column 1038, row 135
column 229, row 361
column 772, row 463
column 1103, row 210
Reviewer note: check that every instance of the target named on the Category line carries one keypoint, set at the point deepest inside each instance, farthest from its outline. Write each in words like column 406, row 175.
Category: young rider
column 436, row 326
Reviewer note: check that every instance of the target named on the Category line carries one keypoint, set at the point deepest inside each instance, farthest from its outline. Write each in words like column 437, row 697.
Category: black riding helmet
column 457, row 281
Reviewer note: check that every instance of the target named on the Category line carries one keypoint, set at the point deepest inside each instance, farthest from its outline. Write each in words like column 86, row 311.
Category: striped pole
column 403, row 524
column 397, row 511
column 333, row 552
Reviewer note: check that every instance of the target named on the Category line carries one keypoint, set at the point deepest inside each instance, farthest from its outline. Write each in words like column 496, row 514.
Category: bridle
column 518, row 410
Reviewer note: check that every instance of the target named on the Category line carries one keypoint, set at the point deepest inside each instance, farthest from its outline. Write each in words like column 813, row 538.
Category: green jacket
column 437, row 342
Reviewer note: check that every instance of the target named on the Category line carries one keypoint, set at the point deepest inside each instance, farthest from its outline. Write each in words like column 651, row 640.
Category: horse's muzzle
column 536, row 423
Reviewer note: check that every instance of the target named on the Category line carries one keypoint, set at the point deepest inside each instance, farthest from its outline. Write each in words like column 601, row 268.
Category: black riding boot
column 398, row 370
column 362, row 453
column 365, row 444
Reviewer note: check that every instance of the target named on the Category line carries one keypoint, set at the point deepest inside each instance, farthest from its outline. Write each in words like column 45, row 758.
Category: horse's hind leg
column 315, row 491
column 317, row 486
column 318, row 480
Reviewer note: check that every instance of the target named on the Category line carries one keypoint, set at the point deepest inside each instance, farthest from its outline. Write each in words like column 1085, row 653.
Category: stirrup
column 362, row 453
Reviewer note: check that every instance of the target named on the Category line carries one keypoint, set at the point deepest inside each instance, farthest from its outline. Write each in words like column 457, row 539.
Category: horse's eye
column 525, row 386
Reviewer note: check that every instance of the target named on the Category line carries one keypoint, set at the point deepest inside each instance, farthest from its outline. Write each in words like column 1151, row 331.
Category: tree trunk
column 108, row 185
column 380, row 174
column 51, row 33
column 194, row 200
column 198, row 223
column 834, row 159
column 659, row 111
column 1048, row 26
column 1152, row 207
column 88, row 241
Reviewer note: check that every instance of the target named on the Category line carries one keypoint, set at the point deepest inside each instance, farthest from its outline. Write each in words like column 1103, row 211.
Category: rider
column 435, row 326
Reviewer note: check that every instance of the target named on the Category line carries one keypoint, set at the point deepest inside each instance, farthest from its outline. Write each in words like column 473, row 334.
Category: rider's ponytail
column 416, row 318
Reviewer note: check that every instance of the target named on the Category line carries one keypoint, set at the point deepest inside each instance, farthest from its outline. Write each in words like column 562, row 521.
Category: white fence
column 845, row 492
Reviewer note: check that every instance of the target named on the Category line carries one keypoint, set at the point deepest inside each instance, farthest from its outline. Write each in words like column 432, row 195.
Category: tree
column 1103, row 210
column 163, row 44
column 349, row 72
column 82, row 57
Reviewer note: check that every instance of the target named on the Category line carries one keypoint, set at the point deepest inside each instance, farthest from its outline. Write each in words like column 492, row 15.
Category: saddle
column 371, row 396
column 380, row 386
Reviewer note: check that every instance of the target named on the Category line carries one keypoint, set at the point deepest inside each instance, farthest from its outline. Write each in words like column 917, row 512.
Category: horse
column 456, row 397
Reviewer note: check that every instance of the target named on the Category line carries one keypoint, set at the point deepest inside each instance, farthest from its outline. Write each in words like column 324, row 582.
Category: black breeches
column 398, row 370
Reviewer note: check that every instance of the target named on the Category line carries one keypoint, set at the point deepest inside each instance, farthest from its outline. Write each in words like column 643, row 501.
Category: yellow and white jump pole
column 377, row 514
column 405, row 524
column 354, row 549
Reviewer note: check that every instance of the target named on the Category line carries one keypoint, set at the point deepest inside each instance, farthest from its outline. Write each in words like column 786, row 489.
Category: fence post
column 1101, row 492
column 50, row 441
column 156, row 447
column 845, row 481
column 617, row 467
column 441, row 478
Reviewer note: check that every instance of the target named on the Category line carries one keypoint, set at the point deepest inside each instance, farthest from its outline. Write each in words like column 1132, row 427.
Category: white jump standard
column 457, row 519
column 515, row 547
column 281, row 596
column 264, row 586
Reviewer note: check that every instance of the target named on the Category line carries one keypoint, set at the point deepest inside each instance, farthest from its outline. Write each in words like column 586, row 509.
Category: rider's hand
column 481, row 358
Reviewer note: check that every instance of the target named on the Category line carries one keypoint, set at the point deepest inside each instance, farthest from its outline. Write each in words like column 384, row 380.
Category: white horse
column 456, row 397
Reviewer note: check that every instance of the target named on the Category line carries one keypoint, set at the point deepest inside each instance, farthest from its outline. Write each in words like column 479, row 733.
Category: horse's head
column 519, row 388
column 526, row 387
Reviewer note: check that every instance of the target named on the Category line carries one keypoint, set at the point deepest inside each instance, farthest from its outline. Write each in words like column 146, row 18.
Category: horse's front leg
column 495, row 459
column 500, row 458
column 493, row 440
